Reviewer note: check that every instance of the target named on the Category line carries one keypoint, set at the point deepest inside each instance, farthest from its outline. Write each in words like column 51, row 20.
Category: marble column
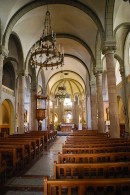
column 93, row 105
column 21, row 85
column 112, row 92
column 101, row 124
column 33, row 120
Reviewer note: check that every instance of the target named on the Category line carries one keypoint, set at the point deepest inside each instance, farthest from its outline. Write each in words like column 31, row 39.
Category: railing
column 7, row 90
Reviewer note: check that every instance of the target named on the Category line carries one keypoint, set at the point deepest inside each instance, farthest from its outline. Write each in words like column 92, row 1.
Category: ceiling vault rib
column 29, row 6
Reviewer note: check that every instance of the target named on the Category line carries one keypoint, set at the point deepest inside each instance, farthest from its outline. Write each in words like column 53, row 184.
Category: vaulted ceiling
column 75, row 23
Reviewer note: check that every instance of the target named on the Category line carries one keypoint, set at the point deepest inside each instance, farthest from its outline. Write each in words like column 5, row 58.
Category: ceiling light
column 45, row 52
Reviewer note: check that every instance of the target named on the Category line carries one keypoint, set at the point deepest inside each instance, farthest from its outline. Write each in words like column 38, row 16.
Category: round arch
column 7, row 115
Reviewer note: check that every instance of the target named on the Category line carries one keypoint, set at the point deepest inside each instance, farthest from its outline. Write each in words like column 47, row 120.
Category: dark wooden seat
column 91, row 170
column 83, row 186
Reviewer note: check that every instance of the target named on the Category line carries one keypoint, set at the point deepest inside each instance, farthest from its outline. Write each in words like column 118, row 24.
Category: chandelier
column 61, row 93
column 45, row 52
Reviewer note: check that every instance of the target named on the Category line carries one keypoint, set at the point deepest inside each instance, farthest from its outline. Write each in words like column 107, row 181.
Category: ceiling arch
column 29, row 6
column 73, row 82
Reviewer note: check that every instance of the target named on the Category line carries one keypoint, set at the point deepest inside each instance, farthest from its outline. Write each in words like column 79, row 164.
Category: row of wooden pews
column 19, row 150
column 91, row 163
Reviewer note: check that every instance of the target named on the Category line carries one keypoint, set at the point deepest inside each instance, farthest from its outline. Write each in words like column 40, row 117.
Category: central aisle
column 31, row 182
column 44, row 166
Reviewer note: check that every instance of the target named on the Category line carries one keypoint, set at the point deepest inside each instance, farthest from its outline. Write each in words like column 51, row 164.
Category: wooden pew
column 37, row 141
column 96, row 140
column 49, row 136
column 25, row 139
column 101, row 149
column 19, row 149
column 3, row 167
column 90, row 145
column 83, row 186
column 11, row 158
column 92, row 158
column 91, row 170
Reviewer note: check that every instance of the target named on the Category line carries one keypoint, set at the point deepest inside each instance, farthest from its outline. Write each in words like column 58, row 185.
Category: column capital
column 109, row 47
column 21, row 73
column 3, row 51
column 98, row 70
column 93, row 83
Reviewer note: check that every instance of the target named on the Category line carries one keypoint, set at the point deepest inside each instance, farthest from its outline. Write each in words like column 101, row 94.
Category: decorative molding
column 109, row 47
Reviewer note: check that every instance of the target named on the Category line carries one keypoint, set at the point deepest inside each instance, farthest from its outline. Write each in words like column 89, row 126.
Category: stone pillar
column 93, row 104
column 74, row 112
column 82, row 111
column 59, row 112
column 77, row 108
column 62, row 111
column 125, row 100
column 112, row 92
column 88, row 113
column 33, row 120
column 21, row 85
column 48, row 113
column 101, row 124
column 3, row 54
column 1, row 75
column 53, row 114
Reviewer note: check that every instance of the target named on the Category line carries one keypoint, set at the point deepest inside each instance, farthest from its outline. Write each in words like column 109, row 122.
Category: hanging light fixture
column 61, row 93
column 45, row 52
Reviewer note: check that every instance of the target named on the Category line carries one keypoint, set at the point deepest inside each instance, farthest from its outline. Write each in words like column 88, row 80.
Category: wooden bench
column 100, row 149
column 35, row 135
column 90, row 145
column 49, row 136
column 96, row 140
column 85, row 186
column 92, row 158
column 3, row 167
column 33, row 142
column 11, row 158
column 37, row 141
column 91, row 170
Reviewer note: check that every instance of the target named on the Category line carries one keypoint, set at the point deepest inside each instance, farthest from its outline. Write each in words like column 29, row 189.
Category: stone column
column 1, row 75
column 82, row 111
column 59, row 112
column 53, row 114
column 48, row 113
column 74, row 112
column 77, row 109
column 101, row 124
column 125, row 100
column 33, row 120
column 62, row 111
column 93, row 104
column 88, row 112
column 3, row 54
column 21, row 85
column 112, row 92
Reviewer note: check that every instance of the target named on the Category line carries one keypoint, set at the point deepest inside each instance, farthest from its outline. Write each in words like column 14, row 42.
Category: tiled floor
column 33, row 178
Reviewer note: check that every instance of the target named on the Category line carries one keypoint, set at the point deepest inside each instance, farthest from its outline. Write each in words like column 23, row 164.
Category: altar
column 67, row 127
